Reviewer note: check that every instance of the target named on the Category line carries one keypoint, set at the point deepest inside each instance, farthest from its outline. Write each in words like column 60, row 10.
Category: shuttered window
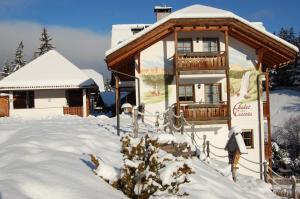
column 184, row 46
column 212, row 93
column 186, row 93
column 211, row 45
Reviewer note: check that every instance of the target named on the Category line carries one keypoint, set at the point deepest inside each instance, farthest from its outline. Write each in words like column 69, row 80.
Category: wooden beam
column 226, row 39
column 259, row 43
column 117, row 101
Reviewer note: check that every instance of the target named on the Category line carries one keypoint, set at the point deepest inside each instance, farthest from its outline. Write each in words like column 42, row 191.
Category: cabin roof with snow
column 49, row 71
column 97, row 77
column 255, row 35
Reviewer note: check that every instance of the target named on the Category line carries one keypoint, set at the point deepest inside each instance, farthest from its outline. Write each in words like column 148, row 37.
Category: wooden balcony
column 73, row 111
column 201, row 61
column 266, row 109
column 205, row 113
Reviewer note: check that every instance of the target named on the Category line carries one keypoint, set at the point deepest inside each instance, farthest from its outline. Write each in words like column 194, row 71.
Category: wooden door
column 4, row 106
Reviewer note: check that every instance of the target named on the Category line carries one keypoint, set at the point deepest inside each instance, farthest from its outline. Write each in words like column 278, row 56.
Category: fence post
column 193, row 134
column 135, row 122
column 207, row 148
column 233, row 171
column 170, row 116
column 265, row 171
column 293, row 178
column 181, row 123
column 204, row 143
column 156, row 119
column 142, row 110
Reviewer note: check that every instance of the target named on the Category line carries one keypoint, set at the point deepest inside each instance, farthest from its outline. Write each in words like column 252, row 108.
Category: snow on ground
column 284, row 103
column 49, row 158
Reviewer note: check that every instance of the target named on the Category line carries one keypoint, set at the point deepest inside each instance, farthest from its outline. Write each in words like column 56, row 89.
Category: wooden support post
column 260, row 53
column 266, row 171
column 267, row 86
column 207, row 148
column 227, row 77
column 176, row 70
column 117, row 101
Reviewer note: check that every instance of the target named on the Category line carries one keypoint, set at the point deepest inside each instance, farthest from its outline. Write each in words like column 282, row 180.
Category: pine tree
column 6, row 69
column 19, row 60
column 45, row 43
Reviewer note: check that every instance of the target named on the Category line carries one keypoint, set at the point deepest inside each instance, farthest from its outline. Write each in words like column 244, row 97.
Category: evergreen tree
column 6, row 69
column 19, row 60
column 45, row 43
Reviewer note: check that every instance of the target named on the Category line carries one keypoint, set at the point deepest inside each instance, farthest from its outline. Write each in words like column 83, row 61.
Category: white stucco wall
column 46, row 103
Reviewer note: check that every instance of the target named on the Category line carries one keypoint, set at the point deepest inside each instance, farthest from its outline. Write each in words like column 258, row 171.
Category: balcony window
column 23, row 99
column 211, row 45
column 248, row 137
column 212, row 93
column 184, row 46
column 186, row 93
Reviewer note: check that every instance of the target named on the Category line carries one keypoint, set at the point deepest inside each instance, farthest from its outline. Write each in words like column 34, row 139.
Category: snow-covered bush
column 147, row 170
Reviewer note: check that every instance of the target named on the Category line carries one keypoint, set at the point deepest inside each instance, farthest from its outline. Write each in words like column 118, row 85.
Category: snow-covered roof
column 96, row 77
column 121, row 32
column 49, row 71
column 199, row 11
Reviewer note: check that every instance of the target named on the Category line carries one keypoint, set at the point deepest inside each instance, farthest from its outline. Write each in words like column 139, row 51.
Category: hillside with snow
column 284, row 103
column 46, row 159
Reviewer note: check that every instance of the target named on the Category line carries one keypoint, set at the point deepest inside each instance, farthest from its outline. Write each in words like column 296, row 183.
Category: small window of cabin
column 185, row 46
column 213, row 93
column 23, row 99
column 211, row 45
column 186, row 93
column 248, row 138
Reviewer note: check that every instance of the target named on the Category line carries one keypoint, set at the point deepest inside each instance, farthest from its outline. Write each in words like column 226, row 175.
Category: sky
column 81, row 28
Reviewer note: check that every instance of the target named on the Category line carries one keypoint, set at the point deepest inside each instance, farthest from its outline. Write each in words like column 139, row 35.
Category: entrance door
column 4, row 106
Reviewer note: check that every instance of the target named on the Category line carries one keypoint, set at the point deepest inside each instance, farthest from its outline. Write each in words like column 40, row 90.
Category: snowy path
column 48, row 159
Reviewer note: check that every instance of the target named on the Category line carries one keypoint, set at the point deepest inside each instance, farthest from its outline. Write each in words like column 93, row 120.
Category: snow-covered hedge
column 146, row 170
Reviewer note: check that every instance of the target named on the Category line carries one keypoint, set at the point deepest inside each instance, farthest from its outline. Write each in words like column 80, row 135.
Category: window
column 23, row 99
column 211, row 45
column 74, row 98
column 248, row 137
column 212, row 93
column 184, row 46
column 186, row 93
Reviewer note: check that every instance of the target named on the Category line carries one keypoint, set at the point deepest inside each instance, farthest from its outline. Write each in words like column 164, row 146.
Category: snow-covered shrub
column 147, row 170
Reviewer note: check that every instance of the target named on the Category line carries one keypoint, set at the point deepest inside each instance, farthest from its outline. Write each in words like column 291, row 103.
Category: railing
column 266, row 109
column 77, row 110
column 201, row 61
column 205, row 112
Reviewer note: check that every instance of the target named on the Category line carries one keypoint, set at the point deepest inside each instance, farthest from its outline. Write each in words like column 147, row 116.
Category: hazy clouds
column 81, row 46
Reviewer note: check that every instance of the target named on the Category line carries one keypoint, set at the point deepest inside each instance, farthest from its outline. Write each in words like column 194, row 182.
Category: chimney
column 162, row 11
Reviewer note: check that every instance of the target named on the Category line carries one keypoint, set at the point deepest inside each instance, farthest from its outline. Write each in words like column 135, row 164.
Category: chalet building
column 210, row 64
column 49, row 85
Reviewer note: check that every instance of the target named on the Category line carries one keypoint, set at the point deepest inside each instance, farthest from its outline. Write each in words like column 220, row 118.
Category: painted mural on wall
column 156, row 81
column 243, row 90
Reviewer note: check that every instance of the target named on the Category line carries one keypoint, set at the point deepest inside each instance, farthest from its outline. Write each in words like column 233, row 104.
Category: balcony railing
column 205, row 112
column 73, row 111
column 201, row 61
